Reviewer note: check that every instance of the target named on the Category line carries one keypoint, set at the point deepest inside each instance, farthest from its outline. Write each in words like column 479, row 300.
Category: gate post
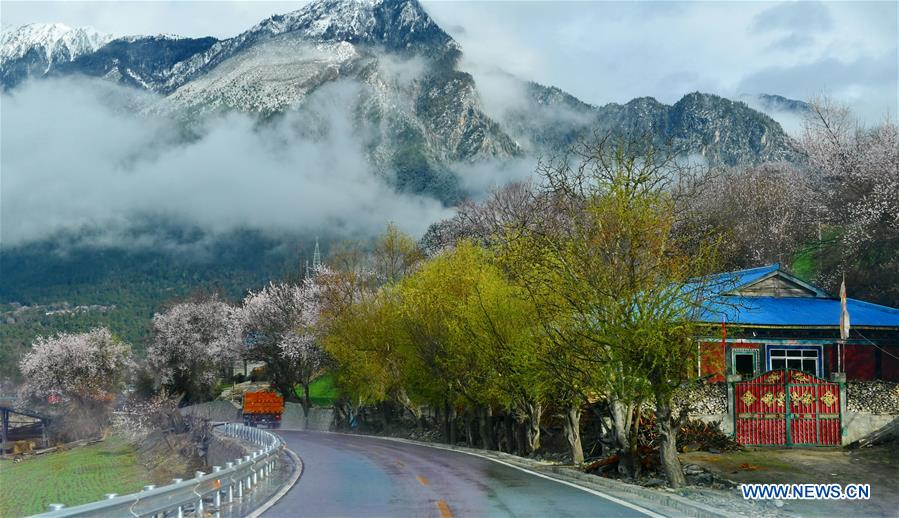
column 730, row 427
column 840, row 378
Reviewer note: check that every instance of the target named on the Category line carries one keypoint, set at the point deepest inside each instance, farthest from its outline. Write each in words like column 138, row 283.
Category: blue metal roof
column 729, row 280
column 796, row 311
column 785, row 311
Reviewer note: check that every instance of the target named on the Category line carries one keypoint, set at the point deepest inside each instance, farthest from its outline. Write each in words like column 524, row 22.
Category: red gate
column 787, row 407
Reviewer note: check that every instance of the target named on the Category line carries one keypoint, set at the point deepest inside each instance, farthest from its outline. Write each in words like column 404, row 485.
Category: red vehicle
column 262, row 407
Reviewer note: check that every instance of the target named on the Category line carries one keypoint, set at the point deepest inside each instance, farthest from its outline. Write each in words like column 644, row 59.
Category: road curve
column 346, row 475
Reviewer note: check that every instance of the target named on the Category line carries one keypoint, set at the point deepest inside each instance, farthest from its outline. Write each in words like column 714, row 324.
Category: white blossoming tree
column 282, row 326
column 76, row 377
column 856, row 175
column 193, row 343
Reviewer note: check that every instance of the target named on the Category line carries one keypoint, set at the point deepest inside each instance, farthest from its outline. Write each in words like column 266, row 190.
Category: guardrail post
column 218, row 491
column 110, row 496
column 229, row 465
column 149, row 487
column 56, row 507
column 249, row 478
column 199, row 508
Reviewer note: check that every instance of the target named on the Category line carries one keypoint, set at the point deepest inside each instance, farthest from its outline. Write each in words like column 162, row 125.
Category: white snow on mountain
column 55, row 42
column 391, row 23
column 265, row 78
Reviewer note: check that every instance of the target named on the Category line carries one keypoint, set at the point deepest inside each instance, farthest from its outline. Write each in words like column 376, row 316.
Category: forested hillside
column 44, row 292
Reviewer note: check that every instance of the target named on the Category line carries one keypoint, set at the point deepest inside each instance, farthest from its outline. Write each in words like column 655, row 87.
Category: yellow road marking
column 422, row 480
column 444, row 509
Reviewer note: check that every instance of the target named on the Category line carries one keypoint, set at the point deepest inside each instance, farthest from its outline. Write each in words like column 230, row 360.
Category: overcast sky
column 601, row 51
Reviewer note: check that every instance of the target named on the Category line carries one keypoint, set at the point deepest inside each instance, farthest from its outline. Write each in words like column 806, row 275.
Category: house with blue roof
column 765, row 318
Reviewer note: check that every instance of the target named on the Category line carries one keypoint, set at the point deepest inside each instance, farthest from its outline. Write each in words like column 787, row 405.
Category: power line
column 875, row 345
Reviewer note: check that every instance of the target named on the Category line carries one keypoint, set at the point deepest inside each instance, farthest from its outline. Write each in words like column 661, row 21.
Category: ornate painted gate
column 787, row 407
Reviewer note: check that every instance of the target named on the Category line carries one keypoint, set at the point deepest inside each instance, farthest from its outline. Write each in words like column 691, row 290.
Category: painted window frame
column 756, row 360
column 819, row 348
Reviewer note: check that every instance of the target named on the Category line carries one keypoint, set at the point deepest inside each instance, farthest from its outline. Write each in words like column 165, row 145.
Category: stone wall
column 703, row 399
column 873, row 397
column 859, row 424
column 319, row 419
column 219, row 411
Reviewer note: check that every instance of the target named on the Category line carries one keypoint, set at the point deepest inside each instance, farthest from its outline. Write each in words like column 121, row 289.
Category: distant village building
column 769, row 319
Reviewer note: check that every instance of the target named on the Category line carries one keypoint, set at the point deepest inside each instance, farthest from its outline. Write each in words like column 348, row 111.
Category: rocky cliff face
column 723, row 131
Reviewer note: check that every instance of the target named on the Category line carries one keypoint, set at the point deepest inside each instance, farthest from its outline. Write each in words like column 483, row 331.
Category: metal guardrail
column 203, row 494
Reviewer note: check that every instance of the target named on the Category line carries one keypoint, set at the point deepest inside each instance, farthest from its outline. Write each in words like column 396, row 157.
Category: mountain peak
column 49, row 42
column 394, row 24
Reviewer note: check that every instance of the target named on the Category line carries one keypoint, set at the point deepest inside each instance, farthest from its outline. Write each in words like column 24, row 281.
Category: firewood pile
column 695, row 435
column 875, row 396
column 701, row 436
column 703, row 399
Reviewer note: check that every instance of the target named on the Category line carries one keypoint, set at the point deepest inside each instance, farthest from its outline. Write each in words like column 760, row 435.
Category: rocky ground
column 878, row 466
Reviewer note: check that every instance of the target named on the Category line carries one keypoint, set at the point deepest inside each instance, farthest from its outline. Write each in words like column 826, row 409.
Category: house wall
column 712, row 361
column 861, row 362
column 889, row 363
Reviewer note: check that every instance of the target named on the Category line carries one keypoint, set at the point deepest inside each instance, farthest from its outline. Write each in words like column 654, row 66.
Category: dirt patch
column 878, row 466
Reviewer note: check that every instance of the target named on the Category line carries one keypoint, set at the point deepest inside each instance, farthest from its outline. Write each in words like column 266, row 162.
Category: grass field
column 322, row 391
column 71, row 477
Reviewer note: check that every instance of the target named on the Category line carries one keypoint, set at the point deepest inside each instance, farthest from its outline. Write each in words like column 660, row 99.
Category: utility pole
column 316, row 260
column 316, row 256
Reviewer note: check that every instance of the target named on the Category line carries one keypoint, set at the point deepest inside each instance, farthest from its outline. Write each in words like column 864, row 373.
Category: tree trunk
column 509, row 427
column 307, row 401
column 451, row 419
column 446, row 421
column 621, row 424
column 573, row 432
column 385, row 416
column 532, row 430
column 485, row 426
column 469, row 428
column 668, row 428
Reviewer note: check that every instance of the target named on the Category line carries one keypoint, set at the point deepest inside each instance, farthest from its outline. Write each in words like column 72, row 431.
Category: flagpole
column 844, row 325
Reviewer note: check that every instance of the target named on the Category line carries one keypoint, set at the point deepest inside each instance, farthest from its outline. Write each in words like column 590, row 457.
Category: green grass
column 70, row 477
column 322, row 391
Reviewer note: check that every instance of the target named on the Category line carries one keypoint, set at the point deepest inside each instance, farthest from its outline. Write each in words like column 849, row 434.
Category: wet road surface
column 346, row 475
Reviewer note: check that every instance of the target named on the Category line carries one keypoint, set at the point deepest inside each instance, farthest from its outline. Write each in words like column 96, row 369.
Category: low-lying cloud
column 75, row 160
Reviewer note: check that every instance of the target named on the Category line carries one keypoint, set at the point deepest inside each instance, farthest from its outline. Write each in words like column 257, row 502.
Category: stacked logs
column 875, row 396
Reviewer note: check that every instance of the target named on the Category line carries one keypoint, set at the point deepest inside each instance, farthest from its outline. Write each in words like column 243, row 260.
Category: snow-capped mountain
column 421, row 113
column 34, row 49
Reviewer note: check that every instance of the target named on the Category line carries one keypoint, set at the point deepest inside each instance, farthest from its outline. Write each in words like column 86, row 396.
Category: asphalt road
column 345, row 475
